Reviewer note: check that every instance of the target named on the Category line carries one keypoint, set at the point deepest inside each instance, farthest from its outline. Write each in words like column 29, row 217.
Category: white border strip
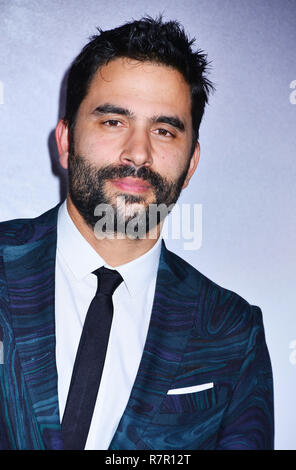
column 1, row 353
column 1, row 92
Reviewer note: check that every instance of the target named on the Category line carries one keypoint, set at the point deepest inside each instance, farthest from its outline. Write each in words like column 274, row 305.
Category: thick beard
column 87, row 191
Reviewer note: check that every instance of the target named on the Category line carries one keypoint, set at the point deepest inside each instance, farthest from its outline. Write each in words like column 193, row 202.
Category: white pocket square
column 195, row 388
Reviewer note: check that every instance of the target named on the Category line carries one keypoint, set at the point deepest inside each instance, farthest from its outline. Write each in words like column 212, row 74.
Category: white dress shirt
column 132, row 300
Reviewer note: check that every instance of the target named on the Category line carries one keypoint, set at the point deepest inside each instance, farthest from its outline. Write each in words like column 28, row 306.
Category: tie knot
column 108, row 280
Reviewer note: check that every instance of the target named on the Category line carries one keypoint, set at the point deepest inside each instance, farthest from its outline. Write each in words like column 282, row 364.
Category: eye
column 164, row 132
column 112, row 123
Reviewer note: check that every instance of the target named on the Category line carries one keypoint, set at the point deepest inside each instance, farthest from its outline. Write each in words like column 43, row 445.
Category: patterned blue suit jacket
column 199, row 333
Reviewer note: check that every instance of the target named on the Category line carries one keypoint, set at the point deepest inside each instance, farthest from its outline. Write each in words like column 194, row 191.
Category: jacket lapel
column 30, row 273
column 170, row 325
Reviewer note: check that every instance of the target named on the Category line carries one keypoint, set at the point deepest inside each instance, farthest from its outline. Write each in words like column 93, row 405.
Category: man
column 164, row 358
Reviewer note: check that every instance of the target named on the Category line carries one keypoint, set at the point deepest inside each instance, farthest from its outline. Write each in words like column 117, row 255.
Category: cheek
column 171, row 164
column 97, row 148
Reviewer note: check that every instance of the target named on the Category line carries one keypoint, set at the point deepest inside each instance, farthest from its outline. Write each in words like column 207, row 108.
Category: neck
column 115, row 251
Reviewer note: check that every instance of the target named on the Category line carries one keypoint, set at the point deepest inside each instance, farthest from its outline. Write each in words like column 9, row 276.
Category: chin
column 128, row 208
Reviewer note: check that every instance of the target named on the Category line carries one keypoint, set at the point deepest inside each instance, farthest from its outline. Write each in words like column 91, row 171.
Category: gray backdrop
column 245, row 182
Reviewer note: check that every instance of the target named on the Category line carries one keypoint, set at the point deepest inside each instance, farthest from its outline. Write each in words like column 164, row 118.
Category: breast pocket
column 197, row 407
column 189, row 402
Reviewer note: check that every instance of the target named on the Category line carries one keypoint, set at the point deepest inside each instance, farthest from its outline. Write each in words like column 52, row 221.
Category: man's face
column 132, row 138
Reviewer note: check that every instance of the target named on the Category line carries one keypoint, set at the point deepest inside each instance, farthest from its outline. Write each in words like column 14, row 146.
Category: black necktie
column 89, row 362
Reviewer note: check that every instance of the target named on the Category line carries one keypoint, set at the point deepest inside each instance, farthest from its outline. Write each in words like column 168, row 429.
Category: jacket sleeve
column 248, row 422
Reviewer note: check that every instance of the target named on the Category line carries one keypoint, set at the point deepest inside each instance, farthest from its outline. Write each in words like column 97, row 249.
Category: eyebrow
column 109, row 108
column 173, row 121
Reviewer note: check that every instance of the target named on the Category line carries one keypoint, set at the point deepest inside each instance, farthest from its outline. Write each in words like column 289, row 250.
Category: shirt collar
column 82, row 259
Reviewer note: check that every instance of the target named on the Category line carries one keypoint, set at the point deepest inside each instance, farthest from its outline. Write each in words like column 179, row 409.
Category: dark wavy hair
column 147, row 39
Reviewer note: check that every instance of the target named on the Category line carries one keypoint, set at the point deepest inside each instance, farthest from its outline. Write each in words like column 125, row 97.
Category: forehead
column 145, row 86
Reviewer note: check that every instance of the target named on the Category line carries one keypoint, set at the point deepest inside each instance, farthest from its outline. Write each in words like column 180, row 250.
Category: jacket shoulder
column 19, row 231
column 218, row 307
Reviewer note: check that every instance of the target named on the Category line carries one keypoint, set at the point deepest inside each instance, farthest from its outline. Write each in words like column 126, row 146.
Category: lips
column 131, row 184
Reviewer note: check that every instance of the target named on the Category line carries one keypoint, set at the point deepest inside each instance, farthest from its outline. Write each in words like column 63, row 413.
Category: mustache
column 124, row 171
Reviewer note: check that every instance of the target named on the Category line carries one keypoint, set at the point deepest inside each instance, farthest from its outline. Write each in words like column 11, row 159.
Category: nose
column 137, row 149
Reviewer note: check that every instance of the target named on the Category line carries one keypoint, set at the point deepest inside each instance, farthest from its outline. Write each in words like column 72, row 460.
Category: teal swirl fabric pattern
column 199, row 333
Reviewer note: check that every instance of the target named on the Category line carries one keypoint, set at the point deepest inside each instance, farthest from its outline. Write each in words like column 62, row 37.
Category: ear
column 193, row 164
column 62, row 139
